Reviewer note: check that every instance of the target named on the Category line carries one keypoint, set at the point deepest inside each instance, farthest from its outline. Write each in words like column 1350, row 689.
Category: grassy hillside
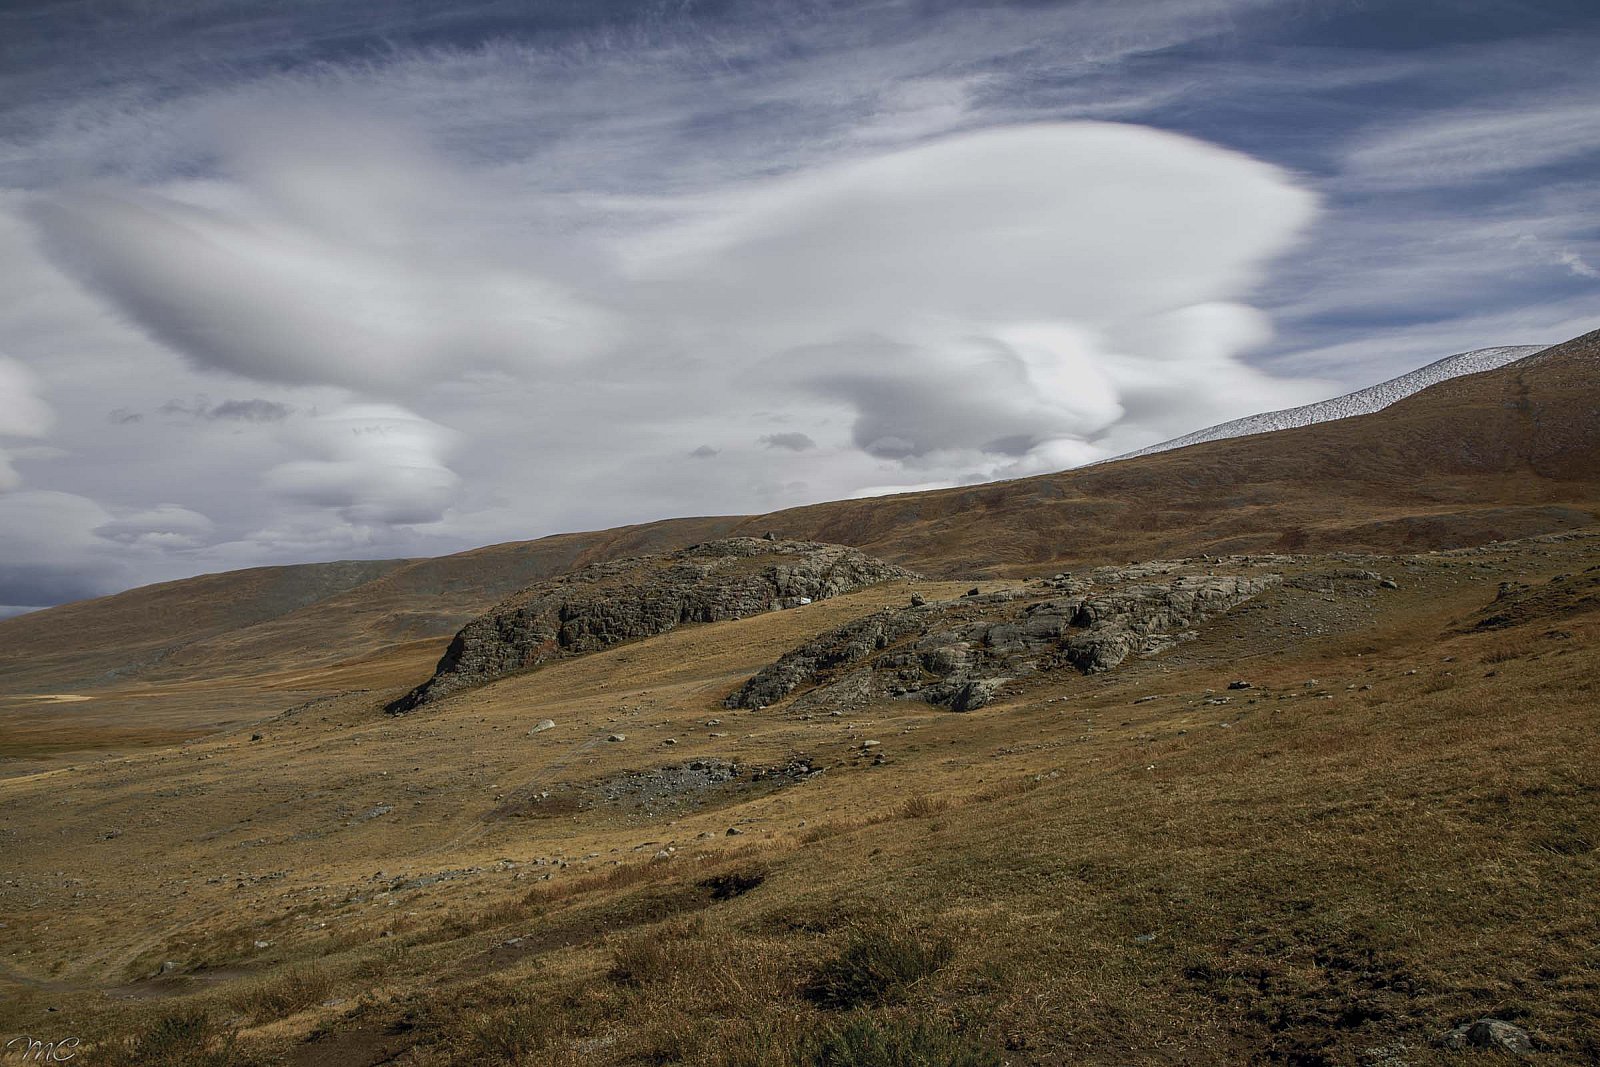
column 1392, row 831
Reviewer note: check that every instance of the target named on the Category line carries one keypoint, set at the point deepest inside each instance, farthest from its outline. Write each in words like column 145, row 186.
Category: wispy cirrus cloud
column 1476, row 144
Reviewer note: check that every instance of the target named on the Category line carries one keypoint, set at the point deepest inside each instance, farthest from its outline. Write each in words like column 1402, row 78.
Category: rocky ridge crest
column 601, row 605
column 958, row 653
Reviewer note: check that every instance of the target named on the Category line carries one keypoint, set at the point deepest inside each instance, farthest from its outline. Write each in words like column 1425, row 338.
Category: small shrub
column 877, row 965
column 866, row 1042
column 1509, row 651
column 513, row 1036
column 640, row 961
column 280, row 997
column 780, row 1042
column 651, row 956
column 922, row 807
column 825, row 830
column 619, row 877
column 734, row 883
column 187, row 1037
column 392, row 957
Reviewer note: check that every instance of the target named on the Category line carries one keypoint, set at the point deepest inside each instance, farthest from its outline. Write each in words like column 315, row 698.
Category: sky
column 305, row 280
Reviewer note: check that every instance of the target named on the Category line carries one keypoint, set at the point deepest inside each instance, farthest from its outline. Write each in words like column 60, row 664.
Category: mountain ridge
column 1365, row 401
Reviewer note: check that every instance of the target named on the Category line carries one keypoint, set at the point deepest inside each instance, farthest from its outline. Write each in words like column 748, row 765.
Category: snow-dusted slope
column 1362, row 402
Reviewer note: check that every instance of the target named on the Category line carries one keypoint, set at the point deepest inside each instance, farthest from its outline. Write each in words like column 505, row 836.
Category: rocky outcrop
column 827, row 654
column 599, row 606
column 959, row 653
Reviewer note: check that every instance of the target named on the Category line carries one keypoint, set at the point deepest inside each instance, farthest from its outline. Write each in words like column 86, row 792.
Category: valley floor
column 1391, row 831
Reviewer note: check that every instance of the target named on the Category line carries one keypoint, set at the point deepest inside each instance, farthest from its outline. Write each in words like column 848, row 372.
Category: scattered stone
column 734, row 831
column 918, row 600
column 541, row 726
column 1490, row 1033
column 263, row 944
column 1144, row 939
column 974, row 591
column 1240, row 685
column 1388, row 583
column 871, row 744
column 617, row 737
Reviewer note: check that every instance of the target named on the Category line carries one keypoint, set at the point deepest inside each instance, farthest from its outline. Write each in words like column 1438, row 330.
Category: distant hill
column 1362, row 402
column 1509, row 452
column 241, row 623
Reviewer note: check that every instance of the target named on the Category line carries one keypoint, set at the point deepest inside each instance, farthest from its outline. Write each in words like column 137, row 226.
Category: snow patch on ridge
column 1362, row 402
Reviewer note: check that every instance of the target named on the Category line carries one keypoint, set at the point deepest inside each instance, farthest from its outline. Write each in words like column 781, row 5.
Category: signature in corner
column 33, row 1050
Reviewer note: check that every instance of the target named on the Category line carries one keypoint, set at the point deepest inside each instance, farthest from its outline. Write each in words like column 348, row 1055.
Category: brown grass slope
column 1508, row 453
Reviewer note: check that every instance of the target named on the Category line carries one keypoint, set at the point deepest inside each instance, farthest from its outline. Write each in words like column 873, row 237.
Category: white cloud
column 1576, row 264
column 341, row 253
column 992, row 293
column 164, row 526
column 377, row 464
column 1472, row 145
column 23, row 413
column 55, row 552
column 987, row 304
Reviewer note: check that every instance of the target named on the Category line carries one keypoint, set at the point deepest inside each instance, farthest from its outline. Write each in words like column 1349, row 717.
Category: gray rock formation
column 599, row 606
column 959, row 653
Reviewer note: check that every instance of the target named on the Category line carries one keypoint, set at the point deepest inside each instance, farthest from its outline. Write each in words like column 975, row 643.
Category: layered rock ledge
column 599, row 606
column 958, row 653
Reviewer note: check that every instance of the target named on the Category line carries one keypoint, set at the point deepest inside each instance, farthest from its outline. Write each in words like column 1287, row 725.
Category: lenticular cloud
column 981, row 305
column 995, row 293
